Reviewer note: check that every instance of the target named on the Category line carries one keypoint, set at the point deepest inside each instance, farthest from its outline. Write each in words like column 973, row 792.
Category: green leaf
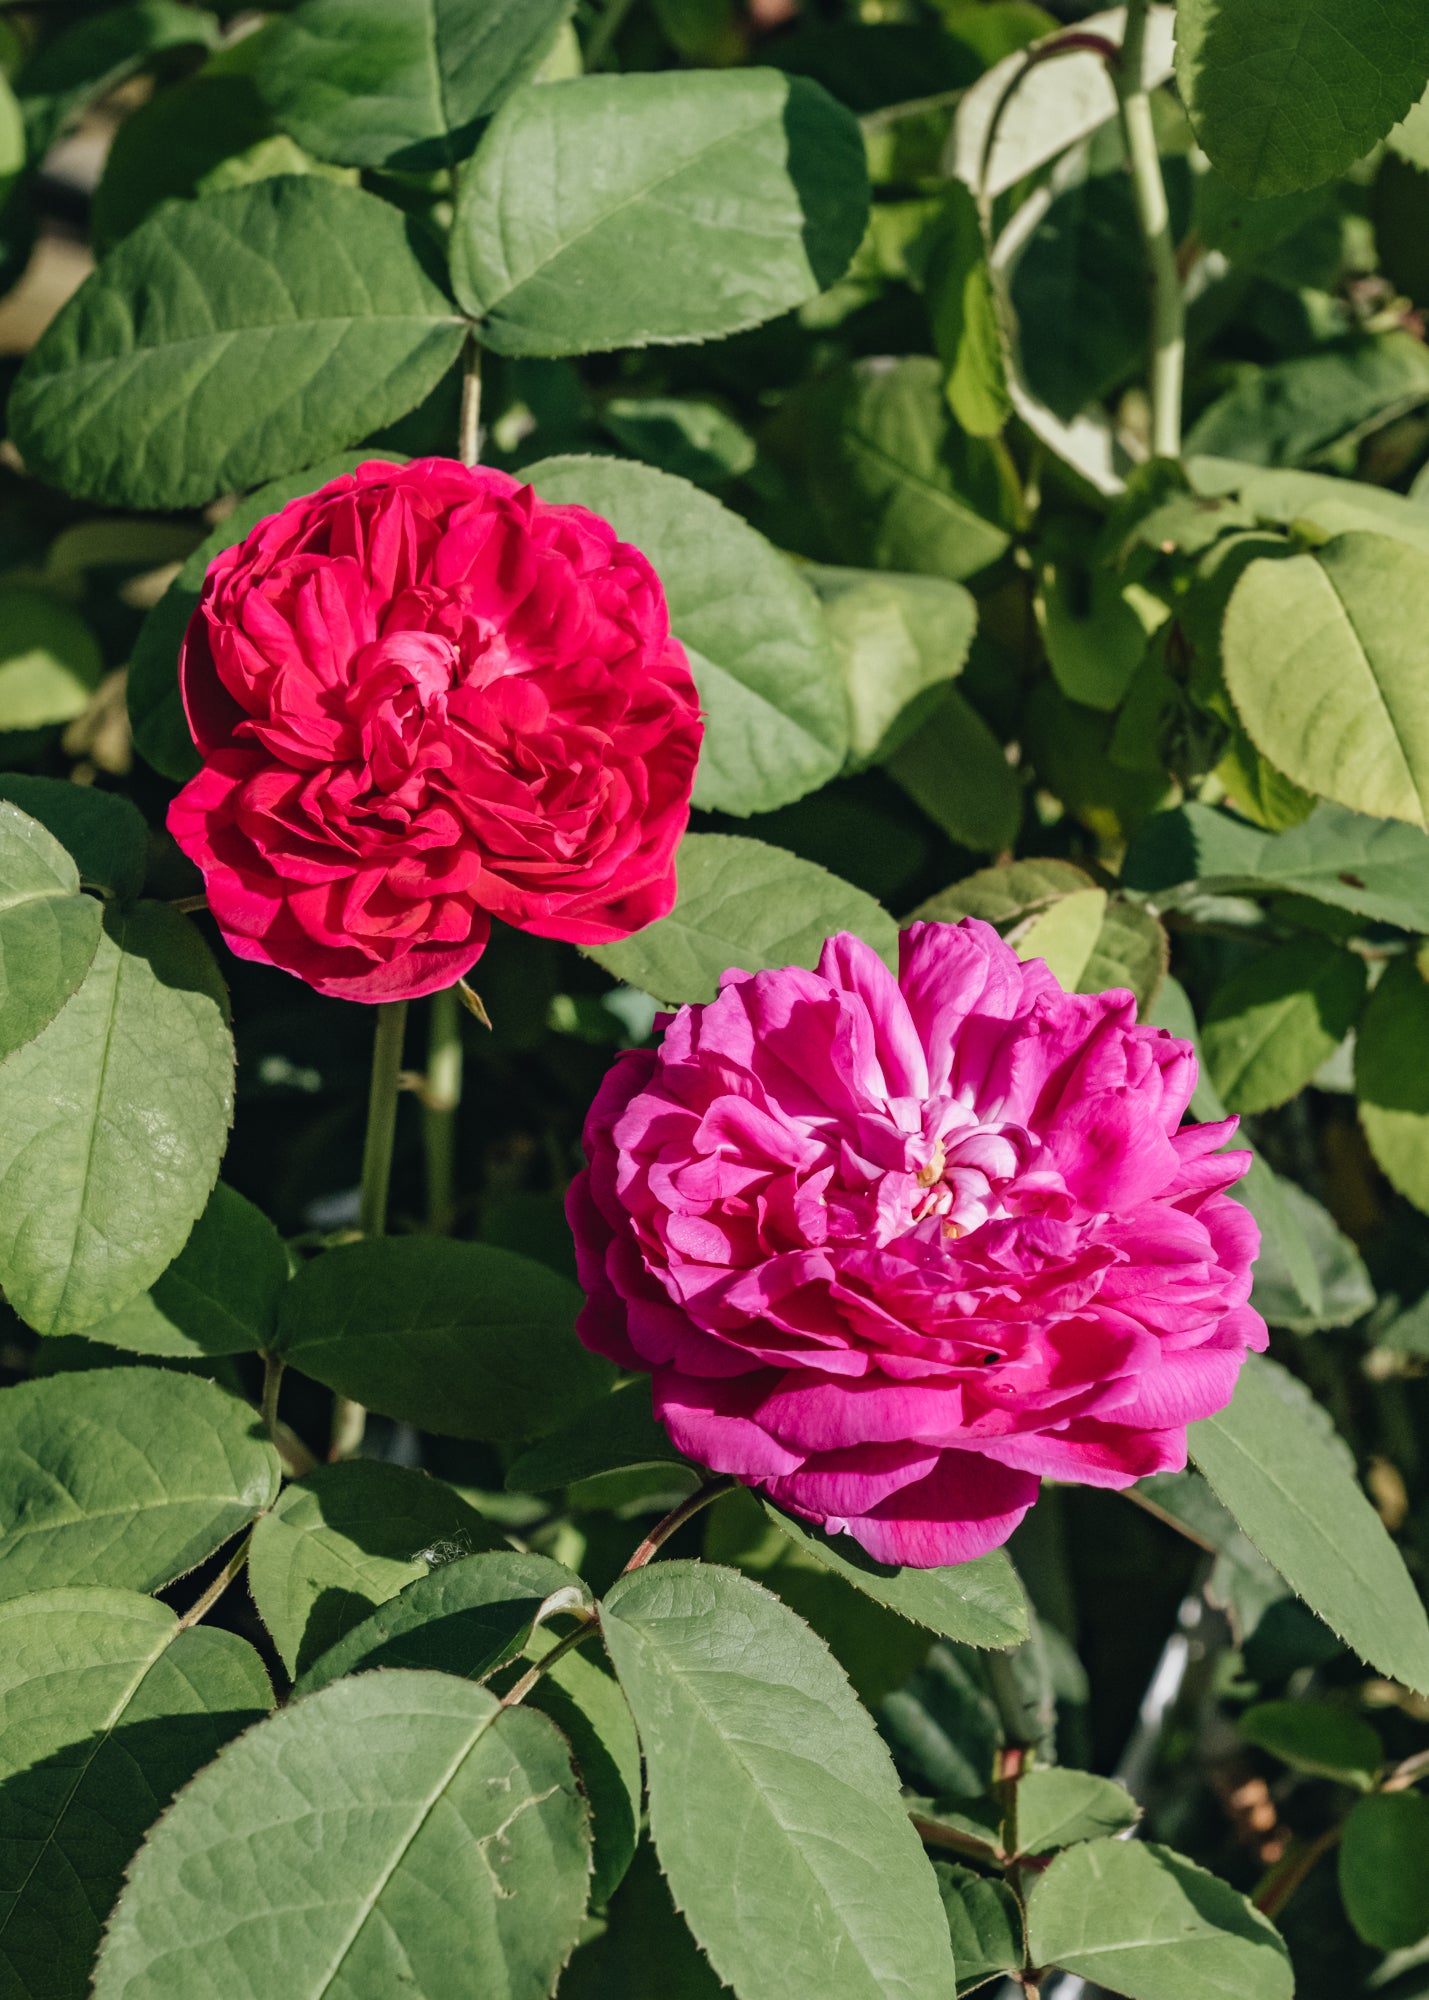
column 1275, row 1460
column 104, row 833
column 49, row 932
column 399, row 1831
column 957, row 287
column 1391, row 1081
column 693, row 437
column 957, row 771
column 646, row 1951
column 1286, row 96
column 1003, row 895
column 1271, row 1025
column 742, row 903
column 897, row 638
column 113, row 1122
column 50, row 662
column 102, row 48
column 1057, row 1808
column 156, row 709
column 801, row 1875
column 978, row 1602
column 888, row 477
column 459, row 1338
column 776, row 721
column 126, row 1476
column 1143, row 1921
column 168, row 148
column 468, row 1617
column 108, row 1709
column 614, row 1435
column 1321, row 1737
column 1332, row 504
column 1295, row 410
column 586, row 1705
column 1384, row 1869
column 1323, row 661
column 1065, row 936
column 1132, row 951
column 1095, row 627
column 1376, row 867
column 722, row 197
column 400, row 83
column 219, row 1296
column 347, row 1538
column 228, row 340
column 984, row 1922
column 1309, row 1274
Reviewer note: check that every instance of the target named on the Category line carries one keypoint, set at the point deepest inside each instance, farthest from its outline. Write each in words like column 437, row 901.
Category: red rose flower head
column 896, row 1249
column 424, row 698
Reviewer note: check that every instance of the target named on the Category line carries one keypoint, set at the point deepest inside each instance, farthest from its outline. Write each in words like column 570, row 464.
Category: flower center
column 966, row 1174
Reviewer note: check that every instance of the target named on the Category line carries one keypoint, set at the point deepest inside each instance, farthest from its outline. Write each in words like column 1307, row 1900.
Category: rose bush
column 896, row 1249
column 425, row 698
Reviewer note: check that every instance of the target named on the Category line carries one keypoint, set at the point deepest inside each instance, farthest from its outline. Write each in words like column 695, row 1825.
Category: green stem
column 273, row 1366
column 205, row 1603
column 469, row 427
column 439, row 1108
column 1168, row 312
column 515, row 1695
column 349, row 1419
column 676, row 1518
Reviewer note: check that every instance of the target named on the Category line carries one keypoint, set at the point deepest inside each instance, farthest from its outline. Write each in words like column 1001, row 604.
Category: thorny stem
column 1168, row 313
column 349, row 1419
column 205, row 1603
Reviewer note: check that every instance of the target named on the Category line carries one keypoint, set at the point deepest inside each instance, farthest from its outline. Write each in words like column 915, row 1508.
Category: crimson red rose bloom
column 425, row 698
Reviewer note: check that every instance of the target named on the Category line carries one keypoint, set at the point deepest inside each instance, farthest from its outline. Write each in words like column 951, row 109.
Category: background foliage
column 867, row 320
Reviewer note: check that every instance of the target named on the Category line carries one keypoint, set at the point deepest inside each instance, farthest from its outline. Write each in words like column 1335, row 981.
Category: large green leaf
column 1391, row 1078
column 742, row 903
column 1275, row 1020
column 108, row 1708
column 1324, row 660
column 219, row 1296
column 124, row 1476
column 400, row 83
column 113, row 1122
column 399, row 1832
column 156, row 709
column 1275, row 1460
column 229, row 340
column 776, row 716
column 1143, row 1921
column 1294, row 410
column 103, row 832
column 49, row 932
column 466, row 1617
column 1378, row 868
column 979, row 1602
column 722, row 198
column 1284, row 95
column 460, row 1338
column 897, row 639
column 344, row 1540
column 889, row 478
column 1384, row 1869
column 957, row 771
column 586, row 1705
column 800, row 1875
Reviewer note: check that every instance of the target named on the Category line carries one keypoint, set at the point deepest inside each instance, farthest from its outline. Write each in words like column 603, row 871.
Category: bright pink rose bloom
column 424, row 699
column 893, row 1250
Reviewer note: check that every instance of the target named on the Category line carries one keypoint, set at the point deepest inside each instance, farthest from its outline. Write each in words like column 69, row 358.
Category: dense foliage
column 1026, row 414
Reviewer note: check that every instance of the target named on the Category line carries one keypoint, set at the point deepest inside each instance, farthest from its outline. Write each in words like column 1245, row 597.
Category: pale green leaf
column 1286, row 95
column 1003, row 895
column 1065, row 936
column 801, row 1875
column 1145, row 1922
column 49, row 932
column 1324, row 661
column 957, row 286
column 1271, row 1025
column 744, row 904
column 459, row 1338
column 897, row 638
column 400, row 83
column 1275, row 1460
column 124, row 1476
column 106, row 1709
column 722, row 197
column 770, row 687
column 230, row 339
column 113, row 1122
column 396, row 1832
column 347, row 1538
column 1057, row 1808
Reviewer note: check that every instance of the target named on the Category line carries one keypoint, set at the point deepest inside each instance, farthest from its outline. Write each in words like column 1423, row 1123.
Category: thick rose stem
column 349, row 1419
